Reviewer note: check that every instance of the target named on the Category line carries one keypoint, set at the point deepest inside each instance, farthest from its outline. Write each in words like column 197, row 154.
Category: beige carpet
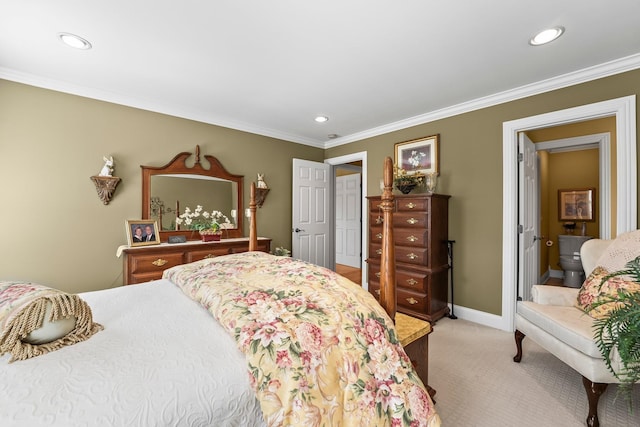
column 478, row 384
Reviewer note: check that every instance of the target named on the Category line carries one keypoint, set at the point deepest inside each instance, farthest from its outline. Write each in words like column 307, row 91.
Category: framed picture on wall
column 576, row 204
column 142, row 232
column 418, row 155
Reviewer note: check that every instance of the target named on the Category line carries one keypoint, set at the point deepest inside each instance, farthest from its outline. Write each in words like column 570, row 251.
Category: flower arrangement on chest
column 207, row 223
column 404, row 180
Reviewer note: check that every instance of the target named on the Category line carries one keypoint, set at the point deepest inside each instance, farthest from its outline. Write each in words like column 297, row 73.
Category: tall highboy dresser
column 420, row 228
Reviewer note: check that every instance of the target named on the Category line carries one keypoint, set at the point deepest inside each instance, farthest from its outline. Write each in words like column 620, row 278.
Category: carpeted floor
column 478, row 384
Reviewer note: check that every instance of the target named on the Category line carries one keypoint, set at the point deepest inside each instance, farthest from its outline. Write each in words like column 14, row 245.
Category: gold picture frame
column 420, row 155
column 576, row 204
column 148, row 232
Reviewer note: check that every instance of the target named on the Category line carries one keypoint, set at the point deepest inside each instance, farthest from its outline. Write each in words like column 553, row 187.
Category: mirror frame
column 178, row 166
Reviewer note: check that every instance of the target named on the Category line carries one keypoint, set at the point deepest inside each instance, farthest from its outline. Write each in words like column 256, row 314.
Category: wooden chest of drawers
column 145, row 263
column 420, row 231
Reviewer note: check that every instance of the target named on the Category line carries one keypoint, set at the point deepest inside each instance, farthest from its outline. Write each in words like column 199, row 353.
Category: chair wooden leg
column 519, row 336
column 594, row 391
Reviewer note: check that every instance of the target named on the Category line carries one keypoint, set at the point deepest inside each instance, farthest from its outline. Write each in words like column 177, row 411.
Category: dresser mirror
column 168, row 190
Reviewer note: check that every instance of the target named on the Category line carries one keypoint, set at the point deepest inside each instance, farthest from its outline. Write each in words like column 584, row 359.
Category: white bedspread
column 162, row 360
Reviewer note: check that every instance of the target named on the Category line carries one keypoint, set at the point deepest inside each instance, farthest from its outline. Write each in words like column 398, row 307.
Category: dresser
column 145, row 263
column 420, row 228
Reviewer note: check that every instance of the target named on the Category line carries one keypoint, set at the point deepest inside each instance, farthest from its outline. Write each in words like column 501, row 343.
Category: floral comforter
column 320, row 350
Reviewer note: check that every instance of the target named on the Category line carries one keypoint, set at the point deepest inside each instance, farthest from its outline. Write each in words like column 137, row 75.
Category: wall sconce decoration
column 105, row 186
column 261, row 190
column 106, row 183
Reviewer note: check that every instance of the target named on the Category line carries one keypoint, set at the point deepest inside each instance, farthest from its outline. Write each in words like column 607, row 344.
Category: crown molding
column 156, row 107
column 606, row 69
column 617, row 66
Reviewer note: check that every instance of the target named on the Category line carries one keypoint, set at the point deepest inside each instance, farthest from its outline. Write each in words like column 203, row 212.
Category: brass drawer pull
column 412, row 282
column 379, row 235
column 412, row 256
column 209, row 256
column 379, row 251
column 378, row 274
column 378, row 292
column 412, row 238
column 411, row 205
column 379, row 220
column 412, row 221
column 412, row 301
column 159, row 262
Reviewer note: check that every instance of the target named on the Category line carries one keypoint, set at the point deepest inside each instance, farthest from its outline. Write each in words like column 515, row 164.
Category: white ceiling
column 270, row 66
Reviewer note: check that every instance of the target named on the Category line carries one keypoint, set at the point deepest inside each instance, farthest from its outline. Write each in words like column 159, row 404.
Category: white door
column 528, row 251
column 348, row 220
column 311, row 216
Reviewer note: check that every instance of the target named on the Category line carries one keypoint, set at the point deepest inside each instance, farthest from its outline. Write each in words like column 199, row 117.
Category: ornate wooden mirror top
column 167, row 190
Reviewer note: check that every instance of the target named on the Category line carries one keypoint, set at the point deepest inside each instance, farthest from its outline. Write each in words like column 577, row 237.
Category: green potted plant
column 619, row 332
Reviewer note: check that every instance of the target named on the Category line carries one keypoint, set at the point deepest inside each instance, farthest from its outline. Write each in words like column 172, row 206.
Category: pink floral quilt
column 320, row 349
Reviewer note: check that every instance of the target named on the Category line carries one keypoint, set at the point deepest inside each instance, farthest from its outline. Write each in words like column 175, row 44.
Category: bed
column 239, row 340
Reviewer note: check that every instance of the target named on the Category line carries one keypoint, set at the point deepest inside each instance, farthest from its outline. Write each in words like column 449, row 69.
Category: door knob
column 297, row 230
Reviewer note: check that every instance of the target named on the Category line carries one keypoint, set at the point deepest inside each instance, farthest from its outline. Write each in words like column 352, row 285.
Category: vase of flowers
column 405, row 182
column 208, row 224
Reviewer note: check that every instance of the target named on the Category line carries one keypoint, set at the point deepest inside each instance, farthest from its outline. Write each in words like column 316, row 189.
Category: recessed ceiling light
column 74, row 41
column 321, row 119
column 546, row 36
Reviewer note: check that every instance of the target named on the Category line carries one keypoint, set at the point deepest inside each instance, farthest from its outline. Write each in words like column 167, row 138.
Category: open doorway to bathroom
column 571, row 157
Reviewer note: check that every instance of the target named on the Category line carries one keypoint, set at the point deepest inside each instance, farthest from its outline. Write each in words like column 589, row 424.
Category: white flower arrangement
column 202, row 220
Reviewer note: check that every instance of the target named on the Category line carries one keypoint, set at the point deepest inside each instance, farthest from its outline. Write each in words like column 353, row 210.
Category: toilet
column 570, row 262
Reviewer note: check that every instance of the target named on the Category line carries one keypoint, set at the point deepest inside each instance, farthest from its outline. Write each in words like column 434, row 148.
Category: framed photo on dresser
column 142, row 232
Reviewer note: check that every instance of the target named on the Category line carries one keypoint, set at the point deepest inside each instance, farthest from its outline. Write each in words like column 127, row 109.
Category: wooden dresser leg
column 594, row 391
column 519, row 336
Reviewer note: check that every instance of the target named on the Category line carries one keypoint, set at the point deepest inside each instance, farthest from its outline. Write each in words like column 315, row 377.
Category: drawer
column 413, row 280
column 407, row 254
column 416, row 301
column 410, row 219
column 412, row 205
column 411, row 237
column 151, row 263
column 411, row 255
column 401, row 237
column 206, row 253
column 144, row 277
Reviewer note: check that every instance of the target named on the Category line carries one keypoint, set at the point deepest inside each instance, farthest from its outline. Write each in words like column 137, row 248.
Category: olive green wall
column 55, row 229
column 471, row 172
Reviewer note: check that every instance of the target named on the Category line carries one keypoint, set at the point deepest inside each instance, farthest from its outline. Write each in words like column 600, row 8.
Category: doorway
column 572, row 162
column 625, row 181
column 360, row 157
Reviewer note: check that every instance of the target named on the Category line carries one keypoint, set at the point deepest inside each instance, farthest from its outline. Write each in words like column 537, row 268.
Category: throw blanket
column 320, row 349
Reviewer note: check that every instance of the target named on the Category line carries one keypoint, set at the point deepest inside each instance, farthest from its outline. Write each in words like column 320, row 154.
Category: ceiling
column 270, row 66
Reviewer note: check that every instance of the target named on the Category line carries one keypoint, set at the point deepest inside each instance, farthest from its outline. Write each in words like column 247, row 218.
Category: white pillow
column 51, row 330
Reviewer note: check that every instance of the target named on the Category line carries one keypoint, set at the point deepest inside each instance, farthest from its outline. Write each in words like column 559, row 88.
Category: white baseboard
column 480, row 317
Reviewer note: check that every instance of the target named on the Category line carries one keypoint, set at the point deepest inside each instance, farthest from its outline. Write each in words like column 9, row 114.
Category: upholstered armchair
column 554, row 321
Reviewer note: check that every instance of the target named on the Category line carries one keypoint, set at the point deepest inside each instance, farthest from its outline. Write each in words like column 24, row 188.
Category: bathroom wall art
column 576, row 204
